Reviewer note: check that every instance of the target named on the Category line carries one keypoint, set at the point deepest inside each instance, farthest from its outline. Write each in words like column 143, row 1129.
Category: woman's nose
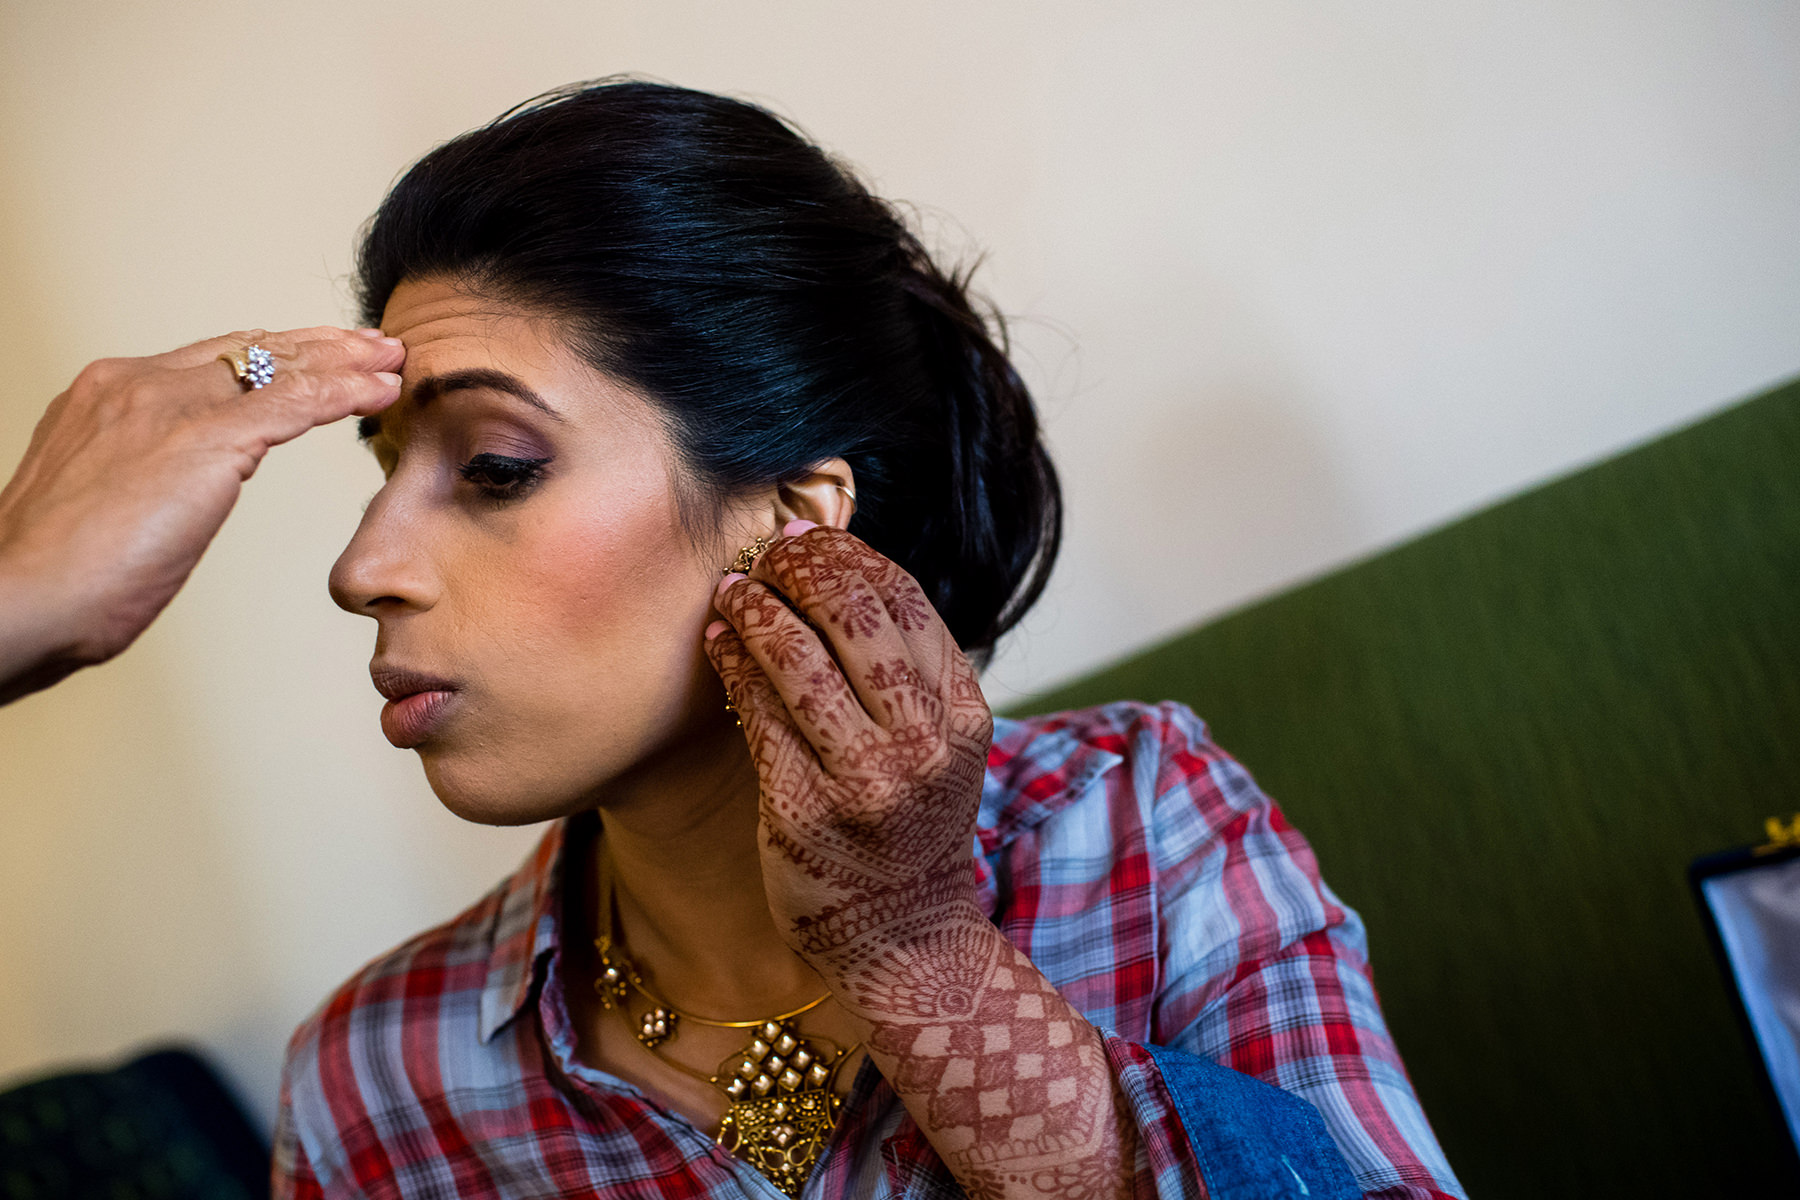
column 384, row 566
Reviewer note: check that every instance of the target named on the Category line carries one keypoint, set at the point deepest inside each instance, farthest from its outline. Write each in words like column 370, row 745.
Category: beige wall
column 1301, row 277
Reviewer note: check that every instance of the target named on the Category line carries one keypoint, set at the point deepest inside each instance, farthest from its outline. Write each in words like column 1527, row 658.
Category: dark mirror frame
column 1700, row 872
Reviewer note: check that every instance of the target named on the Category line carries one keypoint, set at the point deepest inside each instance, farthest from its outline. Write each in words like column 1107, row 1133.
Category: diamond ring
column 253, row 366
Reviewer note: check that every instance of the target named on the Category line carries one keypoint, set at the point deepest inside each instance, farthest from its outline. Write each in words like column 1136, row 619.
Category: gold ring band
column 253, row 366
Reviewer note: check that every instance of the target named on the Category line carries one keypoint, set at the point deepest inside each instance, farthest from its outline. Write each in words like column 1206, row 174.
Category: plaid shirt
column 1134, row 861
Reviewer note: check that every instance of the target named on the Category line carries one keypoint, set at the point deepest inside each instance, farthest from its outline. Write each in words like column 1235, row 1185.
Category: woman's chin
column 490, row 794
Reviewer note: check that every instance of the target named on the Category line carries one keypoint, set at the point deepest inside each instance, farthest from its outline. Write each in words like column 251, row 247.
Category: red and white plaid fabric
column 1134, row 861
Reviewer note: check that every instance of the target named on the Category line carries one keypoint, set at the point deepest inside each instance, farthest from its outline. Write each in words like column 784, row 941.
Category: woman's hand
column 870, row 737
column 133, row 469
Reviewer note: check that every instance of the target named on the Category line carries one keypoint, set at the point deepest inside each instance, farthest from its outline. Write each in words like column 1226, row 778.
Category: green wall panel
column 1507, row 739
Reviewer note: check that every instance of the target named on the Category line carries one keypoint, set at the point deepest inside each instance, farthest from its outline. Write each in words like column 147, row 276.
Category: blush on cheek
column 592, row 579
column 602, row 633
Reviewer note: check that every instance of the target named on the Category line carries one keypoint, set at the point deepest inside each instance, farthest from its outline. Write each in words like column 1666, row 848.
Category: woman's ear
column 826, row 496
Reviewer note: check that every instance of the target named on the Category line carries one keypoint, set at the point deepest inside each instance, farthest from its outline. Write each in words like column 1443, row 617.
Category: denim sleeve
column 1251, row 1141
column 1205, row 1132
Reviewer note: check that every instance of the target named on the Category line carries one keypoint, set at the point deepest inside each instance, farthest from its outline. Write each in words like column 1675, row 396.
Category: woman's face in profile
column 535, row 589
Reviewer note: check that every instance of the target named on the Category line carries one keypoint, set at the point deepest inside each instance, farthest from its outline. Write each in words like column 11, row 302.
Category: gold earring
column 732, row 708
column 746, row 558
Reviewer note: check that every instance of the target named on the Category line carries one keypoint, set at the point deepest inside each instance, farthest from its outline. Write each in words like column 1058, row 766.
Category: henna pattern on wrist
column 855, row 920
column 1014, row 1084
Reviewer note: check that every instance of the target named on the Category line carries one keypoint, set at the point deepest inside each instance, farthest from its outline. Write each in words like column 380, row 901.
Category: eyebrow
column 483, row 378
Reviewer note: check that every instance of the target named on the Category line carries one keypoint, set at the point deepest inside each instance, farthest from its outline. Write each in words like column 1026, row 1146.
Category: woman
column 683, row 405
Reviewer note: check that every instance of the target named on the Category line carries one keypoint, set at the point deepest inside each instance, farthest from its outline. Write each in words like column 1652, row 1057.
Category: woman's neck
column 678, row 842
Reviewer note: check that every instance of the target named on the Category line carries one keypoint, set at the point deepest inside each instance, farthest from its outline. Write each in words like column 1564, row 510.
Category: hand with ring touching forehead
column 870, row 738
column 132, row 470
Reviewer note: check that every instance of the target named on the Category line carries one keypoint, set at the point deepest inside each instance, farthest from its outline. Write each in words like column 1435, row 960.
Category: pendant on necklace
column 782, row 1107
column 616, row 975
column 657, row 1026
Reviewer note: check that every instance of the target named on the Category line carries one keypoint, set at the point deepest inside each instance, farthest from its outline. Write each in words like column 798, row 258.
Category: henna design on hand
column 870, row 737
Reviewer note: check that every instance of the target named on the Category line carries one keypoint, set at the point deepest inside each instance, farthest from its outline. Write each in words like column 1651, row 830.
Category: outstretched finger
column 828, row 587
column 343, row 354
column 792, row 655
column 930, row 646
column 290, row 406
column 288, row 361
column 282, row 342
column 941, row 670
column 777, row 746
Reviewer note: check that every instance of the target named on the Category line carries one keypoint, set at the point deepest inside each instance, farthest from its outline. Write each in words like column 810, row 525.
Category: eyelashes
column 497, row 478
column 500, row 477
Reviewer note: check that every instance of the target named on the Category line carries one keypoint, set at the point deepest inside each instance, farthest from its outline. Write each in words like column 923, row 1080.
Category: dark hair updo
column 706, row 253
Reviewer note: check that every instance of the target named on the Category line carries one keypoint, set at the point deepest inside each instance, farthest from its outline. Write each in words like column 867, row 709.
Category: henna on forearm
column 1009, row 1083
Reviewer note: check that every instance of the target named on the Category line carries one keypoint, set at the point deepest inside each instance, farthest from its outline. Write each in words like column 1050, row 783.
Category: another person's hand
column 870, row 735
column 133, row 469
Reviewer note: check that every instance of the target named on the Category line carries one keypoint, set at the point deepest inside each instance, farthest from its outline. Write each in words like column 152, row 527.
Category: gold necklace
column 784, row 1103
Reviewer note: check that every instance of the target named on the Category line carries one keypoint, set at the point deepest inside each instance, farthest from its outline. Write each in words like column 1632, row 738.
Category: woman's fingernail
column 798, row 526
column 368, row 333
column 730, row 579
column 391, row 341
column 388, row 377
column 714, row 630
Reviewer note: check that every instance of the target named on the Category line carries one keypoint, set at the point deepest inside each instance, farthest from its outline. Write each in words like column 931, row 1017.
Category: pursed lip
column 417, row 704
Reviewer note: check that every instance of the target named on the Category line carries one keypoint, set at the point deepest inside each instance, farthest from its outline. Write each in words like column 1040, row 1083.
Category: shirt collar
column 1034, row 768
column 526, row 920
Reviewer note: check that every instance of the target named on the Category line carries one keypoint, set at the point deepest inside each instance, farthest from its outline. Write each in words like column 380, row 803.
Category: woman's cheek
column 609, row 610
column 595, row 580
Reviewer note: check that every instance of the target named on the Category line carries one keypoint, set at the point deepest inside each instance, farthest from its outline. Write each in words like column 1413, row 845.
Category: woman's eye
column 503, row 478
